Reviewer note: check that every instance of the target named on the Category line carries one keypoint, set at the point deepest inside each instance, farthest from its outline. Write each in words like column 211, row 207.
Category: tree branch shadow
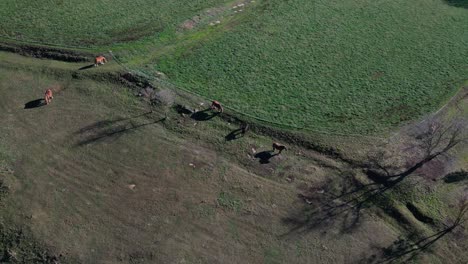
column 110, row 129
column 325, row 210
column 330, row 207
column 233, row 135
column 404, row 249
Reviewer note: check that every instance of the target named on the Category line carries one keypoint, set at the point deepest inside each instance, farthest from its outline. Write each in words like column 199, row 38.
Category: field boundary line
column 45, row 44
column 236, row 111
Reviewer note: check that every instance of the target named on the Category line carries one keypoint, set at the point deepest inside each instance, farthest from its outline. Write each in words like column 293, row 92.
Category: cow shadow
column 235, row 134
column 86, row 67
column 265, row 156
column 34, row 104
column 204, row 115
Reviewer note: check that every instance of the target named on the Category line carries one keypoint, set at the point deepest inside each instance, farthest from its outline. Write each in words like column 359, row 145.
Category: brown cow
column 215, row 105
column 99, row 60
column 279, row 147
column 48, row 96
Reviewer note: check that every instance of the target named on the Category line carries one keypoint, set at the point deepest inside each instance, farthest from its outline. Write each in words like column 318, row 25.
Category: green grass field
column 334, row 66
column 94, row 23
column 353, row 66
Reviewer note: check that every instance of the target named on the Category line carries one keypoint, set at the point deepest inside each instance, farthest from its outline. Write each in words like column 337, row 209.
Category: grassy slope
column 355, row 66
column 77, row 157
column 86, row 23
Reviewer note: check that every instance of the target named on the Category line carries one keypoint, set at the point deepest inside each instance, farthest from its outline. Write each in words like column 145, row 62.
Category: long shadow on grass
column 86, row 67
column 325, row 208
column 458, row 3
column 406, row 249
column 34, row 104
column 204, row 115
column 110, row 129
column 331, row 207
column 235, row 134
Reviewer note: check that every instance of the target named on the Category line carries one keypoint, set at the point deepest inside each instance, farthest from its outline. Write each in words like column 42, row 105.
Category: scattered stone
column 192, row 165
column 131, row 186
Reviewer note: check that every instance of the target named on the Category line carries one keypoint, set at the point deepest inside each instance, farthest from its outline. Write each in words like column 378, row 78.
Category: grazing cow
column 279, row 147
column 48, row 96
column 215, row 105
column 99, row 60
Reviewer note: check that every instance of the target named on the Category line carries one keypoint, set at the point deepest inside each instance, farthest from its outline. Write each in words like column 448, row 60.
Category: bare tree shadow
column 110, row 129
column 432, row 139
column 341, row 209
column 86, row 67
column 204, row 115
column 344, row 206
column 34, row 104
column 458, row 3
column 340, row 206
column 404, row 249
column 265, row 156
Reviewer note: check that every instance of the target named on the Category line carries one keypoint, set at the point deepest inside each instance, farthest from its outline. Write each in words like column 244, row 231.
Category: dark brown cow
column 279, row 147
